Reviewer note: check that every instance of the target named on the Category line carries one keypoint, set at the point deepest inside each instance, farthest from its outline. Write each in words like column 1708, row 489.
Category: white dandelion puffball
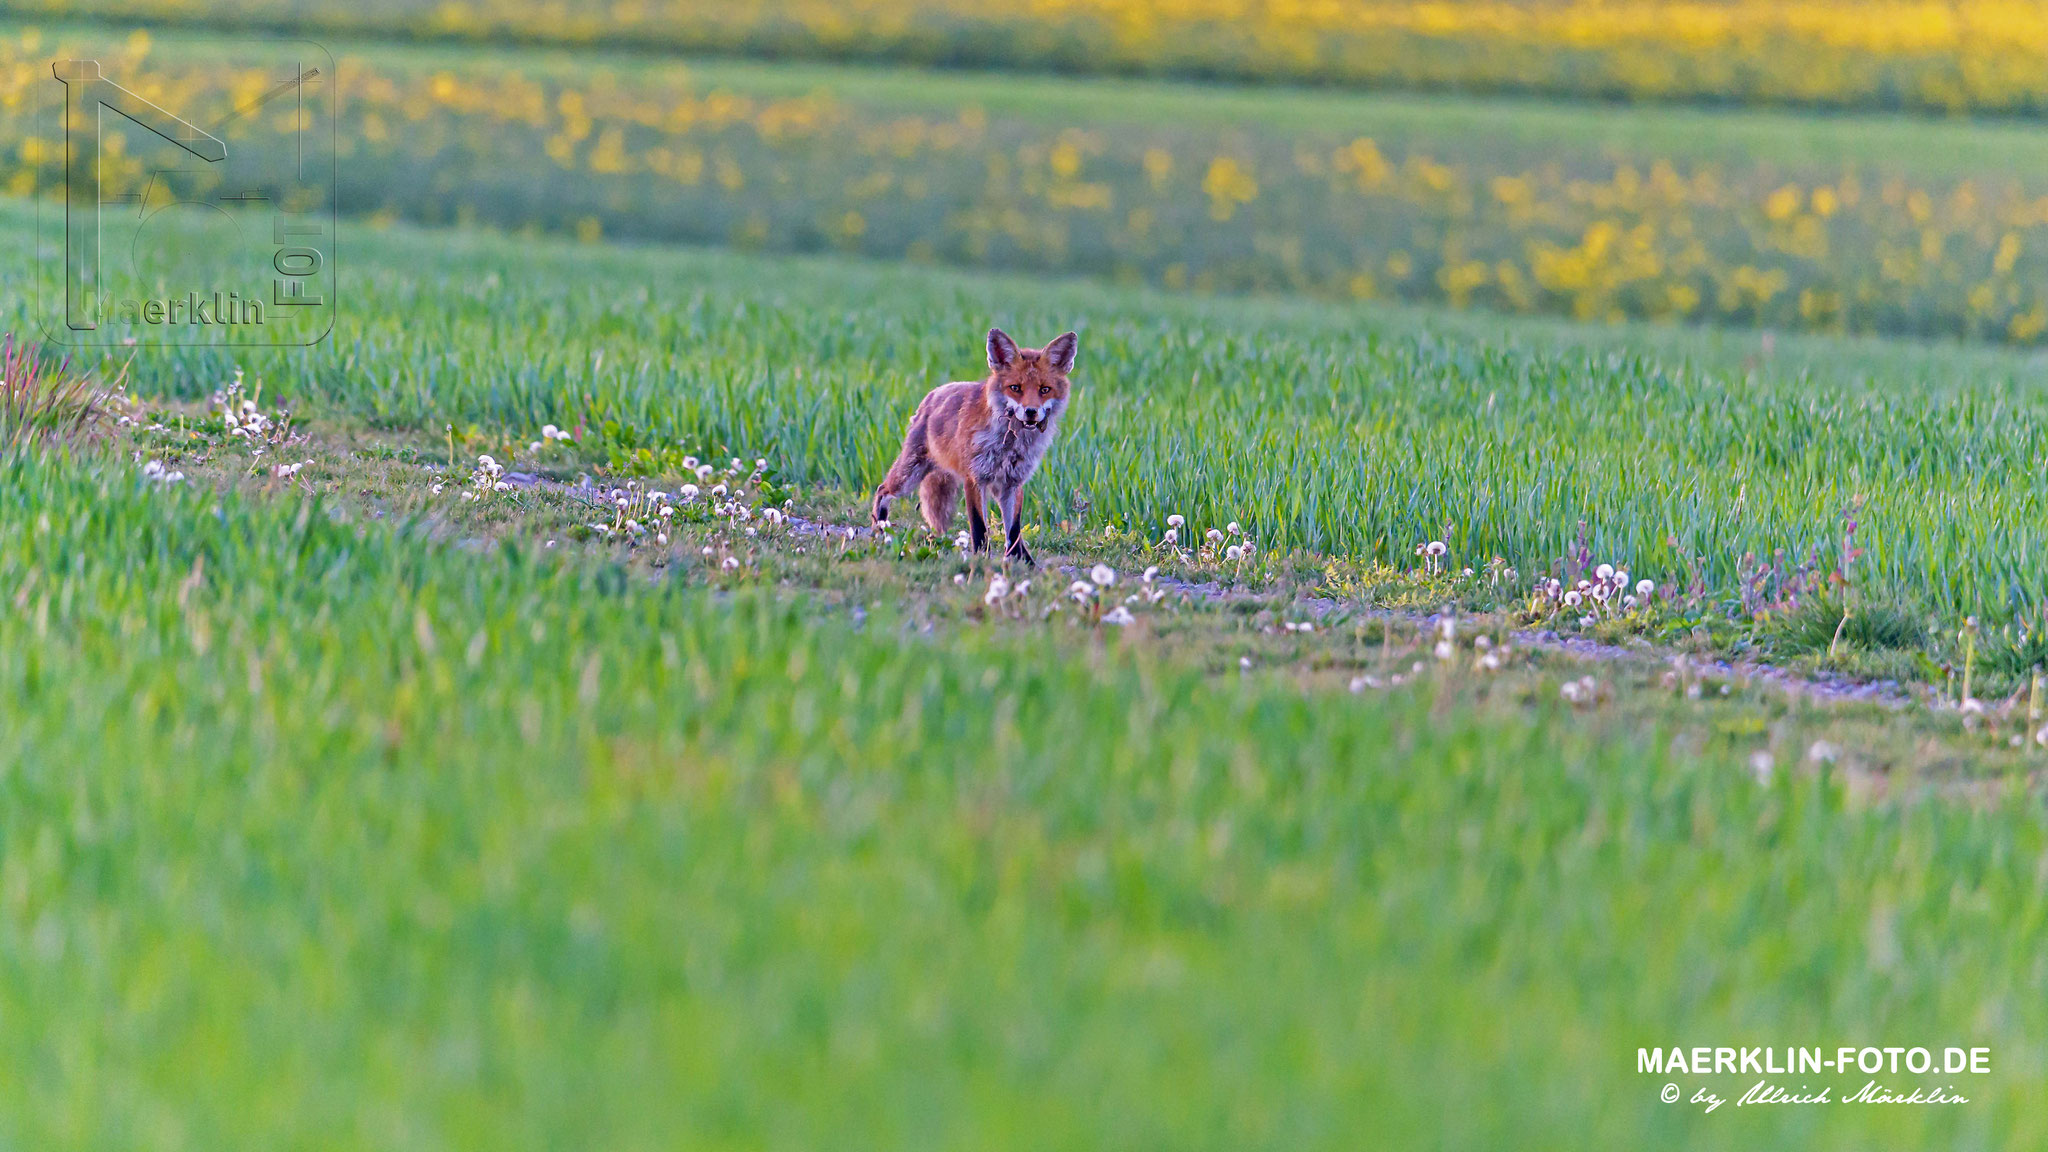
column 688, row 491
column 1119, row 616
column 1233, row 553
column 1645, row 587
column 1572, row 599
column 730, row 563
column 997, row 589
column 549, row 431
column 1438, row 548
column 1176, row 520
column 1150, row 574
column 1215, row 535
column 1103, row 575
column 1080, row 590
column 1605, row 571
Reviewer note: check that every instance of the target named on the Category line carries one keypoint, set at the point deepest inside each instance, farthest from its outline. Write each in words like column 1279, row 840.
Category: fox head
column 1028, row 385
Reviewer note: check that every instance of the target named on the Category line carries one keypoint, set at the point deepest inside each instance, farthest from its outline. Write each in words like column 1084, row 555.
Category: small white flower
column 1645, row 587
column 1572, row 599
column 435, row 490
column 730, row 563
column 486, row 462
column 997, row 589
column 1080, row 590
column 533, row 447
column 1176, row 520
column 549, row 431
column 1215, row 535
column 1621, row 577
column 718, row 489
column 1103, row 575
column 688, row 492
column 1438, row 548
column 1119, row 616
column 1233, row 529
column 1444, row 650
column 959, row 577
column 1233, row 553
column 1150, row 573
column 1604, row 572
column 1021, row 588
column 704, row 471
column 760, row 462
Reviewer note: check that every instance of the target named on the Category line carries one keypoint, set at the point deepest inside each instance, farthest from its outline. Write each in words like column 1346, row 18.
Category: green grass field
column 351, row 801
column 325, row 829
column 319, row 833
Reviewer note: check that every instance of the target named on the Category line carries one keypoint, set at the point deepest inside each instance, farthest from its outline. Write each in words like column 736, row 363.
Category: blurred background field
column 1941, row 55
column 1787, row 220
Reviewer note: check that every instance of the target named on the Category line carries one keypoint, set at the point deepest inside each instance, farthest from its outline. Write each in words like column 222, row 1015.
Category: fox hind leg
column 937, row 496
column 908, row 472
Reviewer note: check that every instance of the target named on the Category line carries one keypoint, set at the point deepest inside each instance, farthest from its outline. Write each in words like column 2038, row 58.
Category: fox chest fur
column 1005, row 452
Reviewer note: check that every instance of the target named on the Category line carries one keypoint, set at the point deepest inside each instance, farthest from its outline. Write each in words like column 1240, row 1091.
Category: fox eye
column 1044, row 391
column 1018, row 388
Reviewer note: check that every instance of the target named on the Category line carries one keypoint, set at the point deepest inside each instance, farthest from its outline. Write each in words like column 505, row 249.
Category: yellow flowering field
column 1595, row 233
column 1982, row 55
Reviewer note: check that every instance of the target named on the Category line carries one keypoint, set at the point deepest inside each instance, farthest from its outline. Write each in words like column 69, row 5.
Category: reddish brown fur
column 973, row 438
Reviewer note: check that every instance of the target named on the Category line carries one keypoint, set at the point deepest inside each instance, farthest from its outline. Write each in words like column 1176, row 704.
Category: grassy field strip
column 315, row 825
column 1345, row 431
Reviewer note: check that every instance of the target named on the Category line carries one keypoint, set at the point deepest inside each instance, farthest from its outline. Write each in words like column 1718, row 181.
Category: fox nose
column 1031, row 414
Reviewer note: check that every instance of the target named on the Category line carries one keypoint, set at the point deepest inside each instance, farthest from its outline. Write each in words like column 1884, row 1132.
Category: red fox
column 984, row 438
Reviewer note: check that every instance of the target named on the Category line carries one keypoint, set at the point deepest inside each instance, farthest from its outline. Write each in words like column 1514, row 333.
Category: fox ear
column 1002, row 351
column 1061, row 353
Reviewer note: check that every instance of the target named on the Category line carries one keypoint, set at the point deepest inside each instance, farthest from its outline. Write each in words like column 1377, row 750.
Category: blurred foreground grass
column 319, row 834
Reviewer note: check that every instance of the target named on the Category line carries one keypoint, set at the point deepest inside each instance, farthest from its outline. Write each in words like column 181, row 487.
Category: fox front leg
column 977, row 517
column 1012, row 505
